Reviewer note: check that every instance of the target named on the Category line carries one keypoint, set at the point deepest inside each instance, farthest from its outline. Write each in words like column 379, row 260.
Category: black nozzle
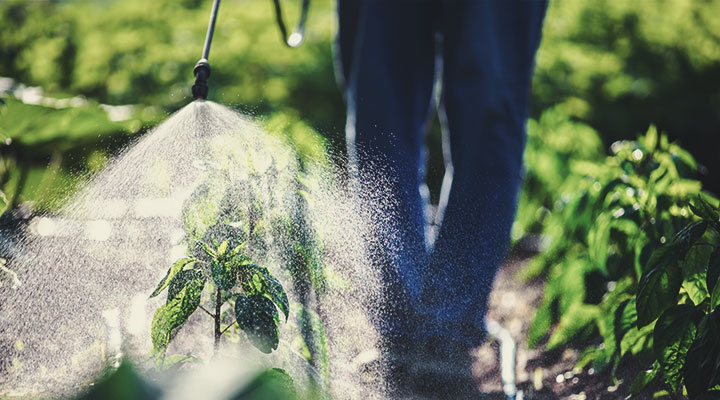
column 201, row 72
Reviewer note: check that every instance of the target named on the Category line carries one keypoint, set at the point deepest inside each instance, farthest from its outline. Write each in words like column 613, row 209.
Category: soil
column 540, row 375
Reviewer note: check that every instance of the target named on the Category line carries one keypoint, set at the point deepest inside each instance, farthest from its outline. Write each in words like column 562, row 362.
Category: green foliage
column 619, row 66
column 272, row 384
column 123, row 383
column 233, row 278
column 632, row 253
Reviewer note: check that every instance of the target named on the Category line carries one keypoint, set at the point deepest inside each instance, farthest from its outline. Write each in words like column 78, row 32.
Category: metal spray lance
column 202, row 67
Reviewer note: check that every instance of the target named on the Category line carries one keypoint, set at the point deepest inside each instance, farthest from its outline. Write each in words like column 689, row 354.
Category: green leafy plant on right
column 611, row 227
column 229, row 274
column 679, row 292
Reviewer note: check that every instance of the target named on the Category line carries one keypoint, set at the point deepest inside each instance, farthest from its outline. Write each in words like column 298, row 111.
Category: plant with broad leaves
column 679, row 292
column 628, row 266
column 231, row 278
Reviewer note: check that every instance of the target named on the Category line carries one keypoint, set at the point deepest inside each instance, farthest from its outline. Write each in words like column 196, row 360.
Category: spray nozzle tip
column 201, row 72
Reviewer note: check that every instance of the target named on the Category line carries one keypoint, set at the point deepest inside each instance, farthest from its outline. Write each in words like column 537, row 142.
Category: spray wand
column 202, row 67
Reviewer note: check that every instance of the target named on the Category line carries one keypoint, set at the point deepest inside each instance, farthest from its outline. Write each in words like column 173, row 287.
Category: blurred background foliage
column 83, row 79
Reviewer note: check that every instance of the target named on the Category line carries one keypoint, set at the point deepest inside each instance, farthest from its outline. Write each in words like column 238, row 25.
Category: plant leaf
column 257, row 316
column 224, row 274
column 674, row 333
column 702, row 363
column 625, row 319
column 695, row 273
column 172, row 271
column 643, row 379
column 572, row 324
column 271, row 384
column 713, row 271
column 184, row 278
column 276, row 291
column 690, row 234
column 658, row 288
column 706, row 211
column 222, row 248
column 169, row 317
column 715, row 296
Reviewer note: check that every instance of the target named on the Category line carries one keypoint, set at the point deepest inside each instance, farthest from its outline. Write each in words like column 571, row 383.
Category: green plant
column 608, row 231
column 231, row 278
column 679, row 291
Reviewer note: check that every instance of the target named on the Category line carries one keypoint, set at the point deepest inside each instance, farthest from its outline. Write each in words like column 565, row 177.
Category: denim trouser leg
column 389, row 73
column 488, row 55
column 387, row 49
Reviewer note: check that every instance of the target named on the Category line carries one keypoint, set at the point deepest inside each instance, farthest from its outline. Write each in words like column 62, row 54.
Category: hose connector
column 201, row 72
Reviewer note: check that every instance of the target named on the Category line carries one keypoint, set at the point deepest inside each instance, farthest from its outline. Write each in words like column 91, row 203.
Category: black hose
column 298, row 36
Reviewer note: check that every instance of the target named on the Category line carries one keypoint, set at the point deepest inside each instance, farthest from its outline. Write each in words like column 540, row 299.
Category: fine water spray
column 202, row 67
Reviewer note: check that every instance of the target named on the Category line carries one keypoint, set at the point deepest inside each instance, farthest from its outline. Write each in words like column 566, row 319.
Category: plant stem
column 218, row 333
column 207, row 312
column 227, row 327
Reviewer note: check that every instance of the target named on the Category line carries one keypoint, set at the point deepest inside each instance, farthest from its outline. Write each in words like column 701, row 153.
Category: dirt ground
column 539, row 375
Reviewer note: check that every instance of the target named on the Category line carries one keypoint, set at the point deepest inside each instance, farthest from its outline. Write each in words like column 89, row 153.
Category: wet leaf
column 182, row 279
column 224, row 274
column 174, row 269
column 257, row 316
column 169, row 317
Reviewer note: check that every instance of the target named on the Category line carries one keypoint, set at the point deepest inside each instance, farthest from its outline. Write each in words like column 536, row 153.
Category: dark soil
column 540, row 374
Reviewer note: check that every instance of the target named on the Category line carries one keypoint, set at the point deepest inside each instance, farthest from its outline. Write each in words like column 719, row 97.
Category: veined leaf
column 658, row 288
column 174, row 269
column 276, row 291
column 674, row 333
column 257, row 316
column 182, row 279
column 224, row 274
column 695, row 273
column 625, row 319
column 169, row 317
column 702, row 363
column 637, row 340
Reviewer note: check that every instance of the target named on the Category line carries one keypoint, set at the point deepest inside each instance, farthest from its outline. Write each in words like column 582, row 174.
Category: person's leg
column 488, row 55
column 389, row 91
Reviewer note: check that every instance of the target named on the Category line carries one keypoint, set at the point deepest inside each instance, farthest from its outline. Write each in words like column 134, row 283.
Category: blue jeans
column 390, row 52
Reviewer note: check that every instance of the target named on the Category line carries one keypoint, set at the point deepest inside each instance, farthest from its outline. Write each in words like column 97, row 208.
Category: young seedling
column 234, row 279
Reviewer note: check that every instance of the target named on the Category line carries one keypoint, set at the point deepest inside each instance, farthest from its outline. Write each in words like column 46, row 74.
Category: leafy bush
column 620, row 66
column 251, row 289
column 607, row 268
